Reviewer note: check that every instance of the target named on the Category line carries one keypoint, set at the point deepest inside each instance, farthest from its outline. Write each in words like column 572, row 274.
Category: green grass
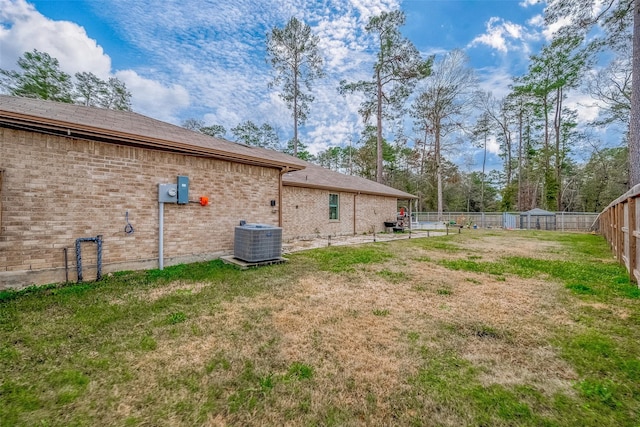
column 444, row 244
column 299, row 371
column 394, row 276
column 344, row 259
column 152, row 348
column 453, row 383
column 603, row 355
column 607, row 280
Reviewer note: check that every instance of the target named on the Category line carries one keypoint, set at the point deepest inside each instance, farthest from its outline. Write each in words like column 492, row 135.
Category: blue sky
column 205, row 59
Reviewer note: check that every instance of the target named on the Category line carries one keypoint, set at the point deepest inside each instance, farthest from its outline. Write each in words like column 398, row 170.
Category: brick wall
column 306, row 213
column 373, row 211
column 55, row 190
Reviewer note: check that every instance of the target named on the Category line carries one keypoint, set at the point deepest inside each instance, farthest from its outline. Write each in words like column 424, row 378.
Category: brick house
column 317, row 201
column 71, row 172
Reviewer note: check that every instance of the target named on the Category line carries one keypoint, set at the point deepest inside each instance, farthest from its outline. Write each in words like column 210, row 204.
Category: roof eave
column 63, row 128
column 346, row 190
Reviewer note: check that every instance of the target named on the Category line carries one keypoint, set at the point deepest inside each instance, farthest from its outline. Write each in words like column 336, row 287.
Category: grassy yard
column 482, row 328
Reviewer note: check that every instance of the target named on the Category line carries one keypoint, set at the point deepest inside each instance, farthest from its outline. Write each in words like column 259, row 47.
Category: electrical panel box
column 183, row 190
column 167, row 193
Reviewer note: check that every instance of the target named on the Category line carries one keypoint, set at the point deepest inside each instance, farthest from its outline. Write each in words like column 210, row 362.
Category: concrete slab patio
column 296, row 245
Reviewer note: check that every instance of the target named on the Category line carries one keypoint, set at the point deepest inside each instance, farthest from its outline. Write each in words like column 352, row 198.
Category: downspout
column 284, row 170
column 160, row 235
column 355, row 195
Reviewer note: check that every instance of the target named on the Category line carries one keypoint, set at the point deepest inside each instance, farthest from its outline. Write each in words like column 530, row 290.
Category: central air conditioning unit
column 257, row 242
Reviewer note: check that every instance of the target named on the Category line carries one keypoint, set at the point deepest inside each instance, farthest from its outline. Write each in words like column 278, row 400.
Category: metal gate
column 508, row 221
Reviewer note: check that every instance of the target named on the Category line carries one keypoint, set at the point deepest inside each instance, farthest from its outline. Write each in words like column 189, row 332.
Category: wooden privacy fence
column 619, row 225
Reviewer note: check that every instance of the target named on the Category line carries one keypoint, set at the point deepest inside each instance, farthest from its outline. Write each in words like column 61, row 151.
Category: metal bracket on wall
column 98, row 241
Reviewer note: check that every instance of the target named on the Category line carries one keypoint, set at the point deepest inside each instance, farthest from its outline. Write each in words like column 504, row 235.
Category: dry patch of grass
column 618, row 312
column 155, row 293
column 329, row 322
column 510, row 243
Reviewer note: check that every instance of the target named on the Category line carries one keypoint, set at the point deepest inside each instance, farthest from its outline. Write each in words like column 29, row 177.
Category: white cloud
column 493, row 146
column 338, row 43
column 154, row 99
column 527, row 3
column 23, row 29
column 513, row 30
column 548, row 31
column 585, row 106
column 369, row 8
column 335, row 123
column 499, row 35
column 536, row 21
column 496, row 81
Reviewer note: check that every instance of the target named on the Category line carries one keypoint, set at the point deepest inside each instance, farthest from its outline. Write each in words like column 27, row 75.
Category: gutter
column 284, row 170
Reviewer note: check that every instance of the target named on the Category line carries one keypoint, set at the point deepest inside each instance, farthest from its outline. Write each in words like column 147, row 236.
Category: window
column 333, row 207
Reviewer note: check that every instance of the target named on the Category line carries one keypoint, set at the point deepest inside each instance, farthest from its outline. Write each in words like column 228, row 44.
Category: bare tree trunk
column 634, row 127
column 379, row 130
column 520, row 160
column 295, row 115
column 484, row 164
column 507, row 143
column 438, row 159
column 557, row 124
column 547, row 157
column 423, row 159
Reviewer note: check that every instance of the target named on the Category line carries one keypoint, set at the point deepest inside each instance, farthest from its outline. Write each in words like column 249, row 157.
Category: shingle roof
column 314, row 176
column 128, row 128
column 538, row 212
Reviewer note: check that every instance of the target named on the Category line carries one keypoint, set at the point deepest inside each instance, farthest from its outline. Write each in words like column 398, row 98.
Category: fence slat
column 618, row 224
column 631, row 256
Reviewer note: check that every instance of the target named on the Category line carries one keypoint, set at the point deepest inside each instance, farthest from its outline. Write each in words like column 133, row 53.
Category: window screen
column 333, row 206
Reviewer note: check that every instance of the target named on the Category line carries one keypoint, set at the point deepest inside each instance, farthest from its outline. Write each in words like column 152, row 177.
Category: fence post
column 610, row 233
column 614, row 231
column 612, row 217
column 632, row 240
column 620, row 233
